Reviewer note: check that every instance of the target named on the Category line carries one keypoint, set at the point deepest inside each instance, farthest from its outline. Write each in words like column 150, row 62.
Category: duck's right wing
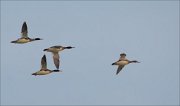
column 119, row 69
column 24, row 30
column 56, row 59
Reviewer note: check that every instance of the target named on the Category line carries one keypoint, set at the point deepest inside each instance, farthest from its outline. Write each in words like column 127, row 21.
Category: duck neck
column 36, row 39
column 133, row 61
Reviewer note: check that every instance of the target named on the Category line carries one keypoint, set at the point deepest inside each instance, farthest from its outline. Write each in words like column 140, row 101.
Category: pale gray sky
column 147, row 31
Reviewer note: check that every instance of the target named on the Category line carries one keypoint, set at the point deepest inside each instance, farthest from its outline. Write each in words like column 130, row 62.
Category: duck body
column 24, row 36
column 24, row 40
column 55, row 51
column 21, row 40
column 44, row 70
column 122, row 62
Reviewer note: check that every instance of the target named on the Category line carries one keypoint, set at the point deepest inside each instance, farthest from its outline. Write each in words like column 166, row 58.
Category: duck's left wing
column 56, row 59
column 119, row 69
column 43, row 62
column 24, row 30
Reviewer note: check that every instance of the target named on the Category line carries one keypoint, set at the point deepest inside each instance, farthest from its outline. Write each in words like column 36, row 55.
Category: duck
column 122, row 62
column 44, row 70
column 55, row 51
column 24, row 36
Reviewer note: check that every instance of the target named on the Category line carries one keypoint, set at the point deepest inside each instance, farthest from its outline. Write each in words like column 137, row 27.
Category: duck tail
column 45, row 49
column 13, row 41
column 34, row 74
column 113, row 63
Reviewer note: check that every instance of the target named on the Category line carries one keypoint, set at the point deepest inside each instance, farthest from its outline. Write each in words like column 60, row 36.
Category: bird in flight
column 24, row 36
column 122, row 62
column 44, row 70
column 55, row 50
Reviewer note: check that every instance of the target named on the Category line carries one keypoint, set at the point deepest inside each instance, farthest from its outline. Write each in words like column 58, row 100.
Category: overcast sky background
column 147, row 31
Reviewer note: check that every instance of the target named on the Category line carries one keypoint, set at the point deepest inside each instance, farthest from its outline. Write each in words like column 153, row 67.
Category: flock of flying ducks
column 55, row 51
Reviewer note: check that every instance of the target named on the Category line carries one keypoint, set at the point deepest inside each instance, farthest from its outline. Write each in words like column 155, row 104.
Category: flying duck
column 55, row 50
column 44, row 70
column 24, row 36
column 122, row 62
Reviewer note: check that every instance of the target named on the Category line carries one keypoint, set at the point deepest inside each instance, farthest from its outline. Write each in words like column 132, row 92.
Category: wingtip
column 117, row 73
column 44, row 56
column 24, row 23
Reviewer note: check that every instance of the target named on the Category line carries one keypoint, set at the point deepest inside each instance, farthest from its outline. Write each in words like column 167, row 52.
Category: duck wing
column 24, row 30
column 43, row 62
column 56, row 59
column 119, row 69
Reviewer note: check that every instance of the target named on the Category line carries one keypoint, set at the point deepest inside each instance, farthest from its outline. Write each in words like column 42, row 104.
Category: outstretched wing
column 56, row 59
column 24, row 30
column 119, row 68
column 43, row 62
